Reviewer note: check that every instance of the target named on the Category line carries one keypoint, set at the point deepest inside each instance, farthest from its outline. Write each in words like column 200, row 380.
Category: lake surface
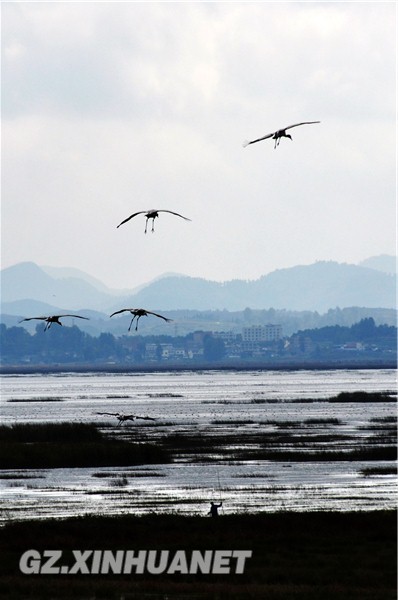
column 206, row 402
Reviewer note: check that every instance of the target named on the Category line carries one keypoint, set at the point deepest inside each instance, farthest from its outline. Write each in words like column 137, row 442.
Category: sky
column 110, row 108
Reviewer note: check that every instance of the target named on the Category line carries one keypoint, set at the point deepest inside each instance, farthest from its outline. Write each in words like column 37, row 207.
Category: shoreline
column 178, row 367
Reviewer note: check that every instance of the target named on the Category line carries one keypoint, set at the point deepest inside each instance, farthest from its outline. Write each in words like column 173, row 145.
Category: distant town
column 364, row 341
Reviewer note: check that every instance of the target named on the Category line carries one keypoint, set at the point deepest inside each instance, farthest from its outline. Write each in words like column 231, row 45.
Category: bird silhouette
column 277, row 135
column 151, row 214
column 138, row 313
column 121, row 417
column 52, row 319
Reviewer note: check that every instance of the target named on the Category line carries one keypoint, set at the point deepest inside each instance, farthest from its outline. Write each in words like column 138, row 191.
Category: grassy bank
column 296, row 556
column 56, row 445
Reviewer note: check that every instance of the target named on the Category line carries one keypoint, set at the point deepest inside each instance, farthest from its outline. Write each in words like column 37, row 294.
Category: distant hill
column 72, row 273
column 384, row 262
column 317, row 287
column 29, row 281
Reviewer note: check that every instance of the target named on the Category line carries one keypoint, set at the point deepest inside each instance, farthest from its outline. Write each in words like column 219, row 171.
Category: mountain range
column 31, row 290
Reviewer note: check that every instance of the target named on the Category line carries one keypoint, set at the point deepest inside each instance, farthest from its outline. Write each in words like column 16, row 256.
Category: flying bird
column 53, row 319
column 151, row 214
column 138, row 313
column 277, row 135
column 121, row 417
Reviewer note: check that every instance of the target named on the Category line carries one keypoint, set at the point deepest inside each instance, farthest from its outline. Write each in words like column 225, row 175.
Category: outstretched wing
column 132, row 417
column 265, row 137
column 122, row 310
column 31, row 319
column 174, row 213
column 106, row 413
column 156, row 315
column 77, row 316
column 297, row 124
column 141, row 212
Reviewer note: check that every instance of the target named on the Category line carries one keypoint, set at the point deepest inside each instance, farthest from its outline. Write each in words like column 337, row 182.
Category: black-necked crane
column 152, row 214
column 53, row 319
column 121, row 417
column 138, row 313
column 277, row 135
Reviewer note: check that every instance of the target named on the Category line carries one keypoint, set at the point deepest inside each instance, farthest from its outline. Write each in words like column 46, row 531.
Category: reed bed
column 55, row 445
column 52, row 445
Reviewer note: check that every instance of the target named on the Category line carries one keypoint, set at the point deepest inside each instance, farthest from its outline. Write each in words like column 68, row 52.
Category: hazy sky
column 111, row 108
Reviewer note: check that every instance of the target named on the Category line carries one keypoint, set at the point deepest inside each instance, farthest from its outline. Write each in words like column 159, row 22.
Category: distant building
column 256, row 337
column 262, row 333
column 227, row 336
column 353, row 346
column 300, row 344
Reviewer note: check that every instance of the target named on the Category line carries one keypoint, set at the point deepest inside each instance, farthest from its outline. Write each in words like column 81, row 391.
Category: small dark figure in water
column 214, row 509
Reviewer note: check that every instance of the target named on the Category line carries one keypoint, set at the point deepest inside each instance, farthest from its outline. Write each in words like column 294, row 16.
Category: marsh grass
column 251, row 476
column 360, row 396
column 39, row 399
column 119, row 481
column 130, row 474
column 232, row 422
column 144, row 474
column 388, row 419
column 347, row 397
column 386, row 429
column 289, row 424
column 50, row 432
column 55, row 445
column 382, row 470
column 21, row 476
column 164, row 395
column 51, row 445
column 360, row 454
column 105, row 475
column 296, row 556
column 310, row 440
column 323, row 421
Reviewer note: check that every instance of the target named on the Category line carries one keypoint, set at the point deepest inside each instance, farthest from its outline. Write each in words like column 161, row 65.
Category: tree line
column 72, row 345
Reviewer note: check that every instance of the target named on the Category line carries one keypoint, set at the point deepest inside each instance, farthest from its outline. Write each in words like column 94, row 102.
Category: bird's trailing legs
column 279, row 136
column 133, row 320
column 153, row 224
column 49, row 323
column 136, row 324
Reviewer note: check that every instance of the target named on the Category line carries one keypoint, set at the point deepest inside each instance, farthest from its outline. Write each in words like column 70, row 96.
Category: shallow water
column 204, row 402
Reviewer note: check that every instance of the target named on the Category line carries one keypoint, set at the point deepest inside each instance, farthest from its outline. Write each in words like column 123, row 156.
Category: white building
column 262, row 333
